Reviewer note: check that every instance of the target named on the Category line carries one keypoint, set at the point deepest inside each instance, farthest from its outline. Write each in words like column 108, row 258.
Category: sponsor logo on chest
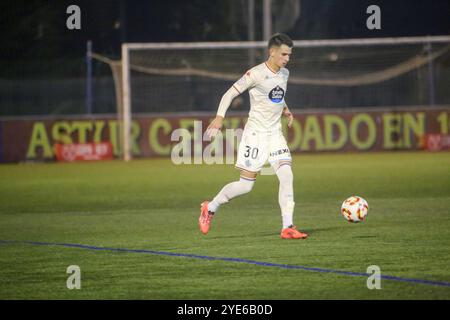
column 276, row 95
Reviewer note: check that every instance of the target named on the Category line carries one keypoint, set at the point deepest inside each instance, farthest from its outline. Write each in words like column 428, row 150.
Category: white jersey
column 267, row 90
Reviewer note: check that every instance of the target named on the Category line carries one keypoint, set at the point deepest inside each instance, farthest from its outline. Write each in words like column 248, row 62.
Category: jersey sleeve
column 286, row 73
column 247, row 81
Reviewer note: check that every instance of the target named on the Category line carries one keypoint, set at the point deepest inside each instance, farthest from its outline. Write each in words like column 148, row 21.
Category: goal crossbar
column 297, row 43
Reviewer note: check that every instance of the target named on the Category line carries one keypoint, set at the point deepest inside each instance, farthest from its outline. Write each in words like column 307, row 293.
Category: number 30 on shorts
column 249, row 151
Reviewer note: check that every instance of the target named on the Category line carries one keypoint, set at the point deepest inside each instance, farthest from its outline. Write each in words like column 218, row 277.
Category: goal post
column 184, row 77
column 126, row 103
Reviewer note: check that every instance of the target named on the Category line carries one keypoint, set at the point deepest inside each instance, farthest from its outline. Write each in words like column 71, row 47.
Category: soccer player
column 262, row 139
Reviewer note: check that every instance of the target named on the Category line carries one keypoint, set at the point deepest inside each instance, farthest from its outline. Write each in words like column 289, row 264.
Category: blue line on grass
column 259, row 263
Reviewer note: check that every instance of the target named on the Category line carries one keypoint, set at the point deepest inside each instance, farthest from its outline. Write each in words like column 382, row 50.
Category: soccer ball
column 355, row 209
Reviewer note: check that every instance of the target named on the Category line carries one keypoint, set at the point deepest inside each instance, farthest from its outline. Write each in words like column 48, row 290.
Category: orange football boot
column 204, row 221
column 292, row 233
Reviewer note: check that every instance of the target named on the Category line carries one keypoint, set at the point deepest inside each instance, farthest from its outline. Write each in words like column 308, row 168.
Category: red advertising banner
column 436, row 142
column 34, row 139
column 83, row 151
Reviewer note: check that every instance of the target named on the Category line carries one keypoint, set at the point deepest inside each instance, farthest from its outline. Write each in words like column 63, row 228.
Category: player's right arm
column 225, row 103
column 245, row 82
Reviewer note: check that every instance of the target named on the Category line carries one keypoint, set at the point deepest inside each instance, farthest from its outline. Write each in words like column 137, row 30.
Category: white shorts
column 257, row 148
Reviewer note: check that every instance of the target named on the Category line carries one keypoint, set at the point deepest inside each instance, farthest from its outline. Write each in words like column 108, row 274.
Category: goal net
column 348, row 73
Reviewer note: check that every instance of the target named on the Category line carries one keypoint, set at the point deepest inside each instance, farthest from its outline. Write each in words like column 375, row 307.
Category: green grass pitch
column 154, row 205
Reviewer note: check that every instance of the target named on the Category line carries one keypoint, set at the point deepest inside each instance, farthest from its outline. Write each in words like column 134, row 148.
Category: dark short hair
column 279, row 39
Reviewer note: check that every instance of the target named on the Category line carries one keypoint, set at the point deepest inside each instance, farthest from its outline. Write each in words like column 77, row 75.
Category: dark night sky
column 35, row 29
column 343, row 19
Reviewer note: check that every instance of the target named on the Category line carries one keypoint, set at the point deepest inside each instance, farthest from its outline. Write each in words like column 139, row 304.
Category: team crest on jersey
column 276, row 95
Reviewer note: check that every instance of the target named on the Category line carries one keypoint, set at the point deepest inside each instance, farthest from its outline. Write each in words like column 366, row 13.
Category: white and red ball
column 355, row 209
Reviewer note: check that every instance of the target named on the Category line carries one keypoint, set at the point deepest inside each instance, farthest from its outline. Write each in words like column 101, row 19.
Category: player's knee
column 284, row 173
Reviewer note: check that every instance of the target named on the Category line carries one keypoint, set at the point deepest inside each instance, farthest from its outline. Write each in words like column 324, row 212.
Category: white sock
column 230, row 191
column 286, row 194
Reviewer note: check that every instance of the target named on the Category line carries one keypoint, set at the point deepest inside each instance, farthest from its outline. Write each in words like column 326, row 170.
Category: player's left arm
column 287, row 113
